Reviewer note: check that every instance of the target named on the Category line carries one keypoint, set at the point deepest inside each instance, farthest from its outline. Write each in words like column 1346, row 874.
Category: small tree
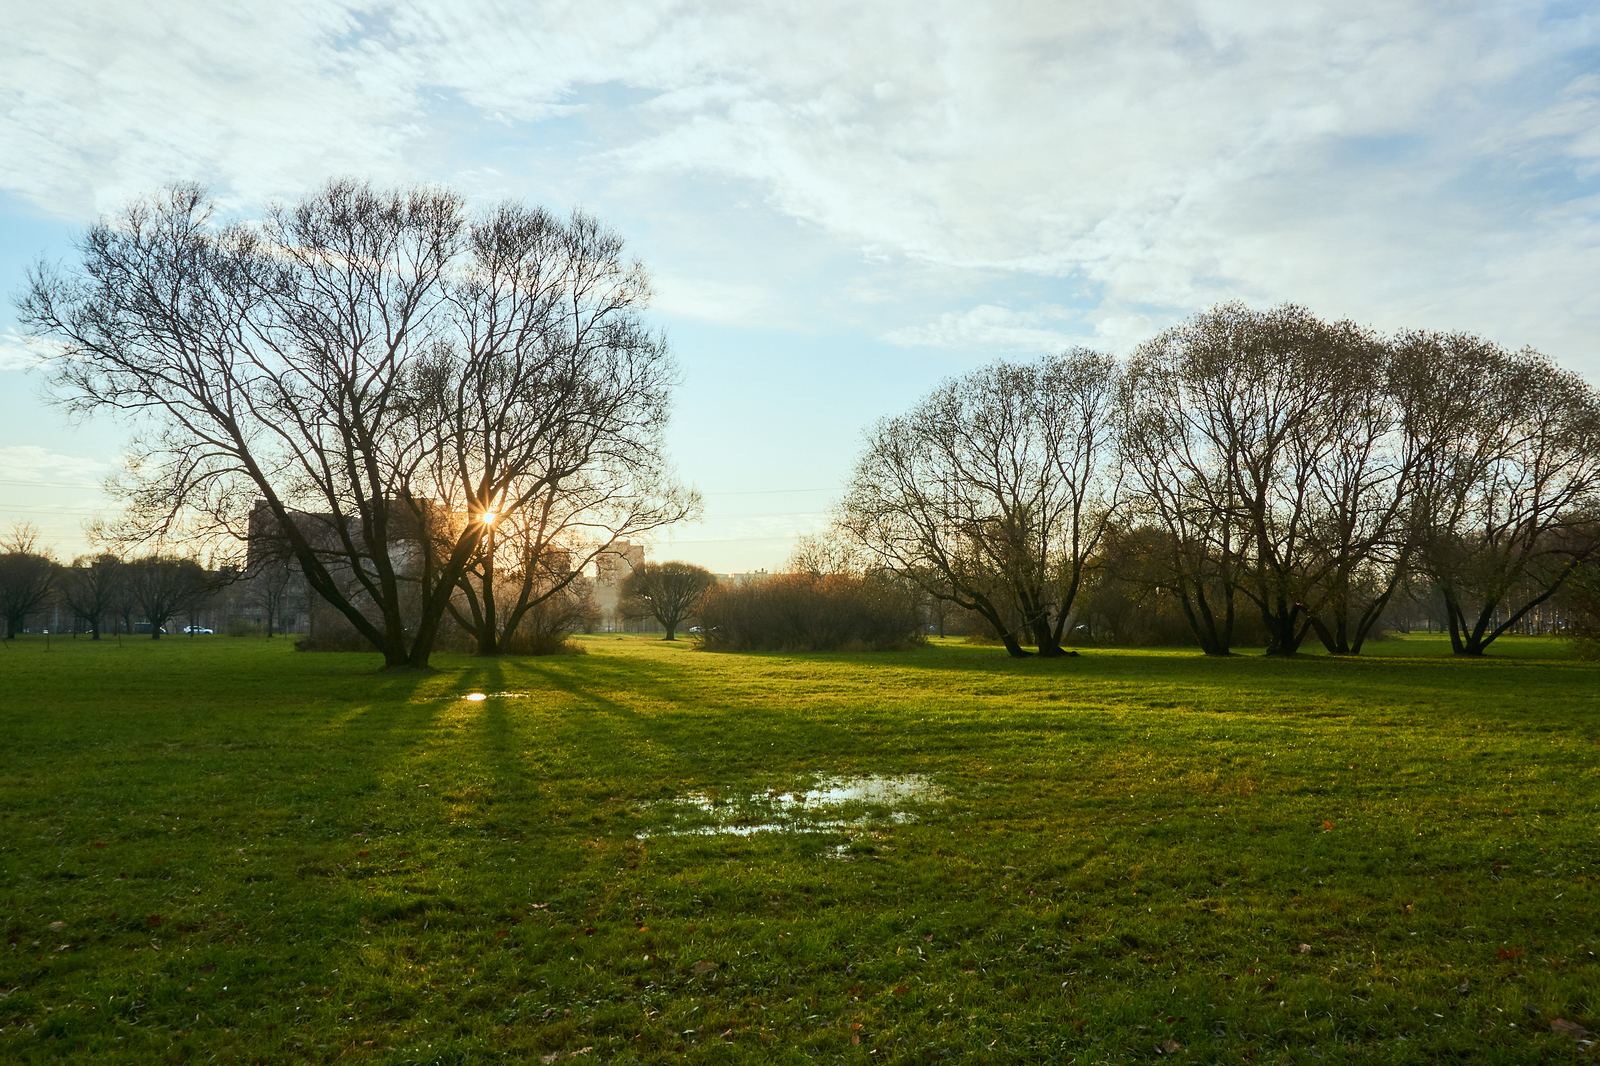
column 91, row 587
column 668, row 591
column 164, row 586
column 27, row 576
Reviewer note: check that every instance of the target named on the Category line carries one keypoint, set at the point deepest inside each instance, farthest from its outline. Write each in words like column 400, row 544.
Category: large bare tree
column 1509, row 498
column 1255, row 438
column 548, row 421
column 302, row 361
column 994, row 492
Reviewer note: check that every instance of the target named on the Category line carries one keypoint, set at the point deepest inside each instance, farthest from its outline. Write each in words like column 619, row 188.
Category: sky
column 843, row 204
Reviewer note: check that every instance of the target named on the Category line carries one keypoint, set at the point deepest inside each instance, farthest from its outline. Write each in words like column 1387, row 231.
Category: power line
column 51, row 510
column 766, row 492
column 737, row 540
column 55, row 484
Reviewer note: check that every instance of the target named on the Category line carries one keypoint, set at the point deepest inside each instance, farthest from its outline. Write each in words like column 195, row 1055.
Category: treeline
column 100, row 593
column 146, row 594
column 1259, row 475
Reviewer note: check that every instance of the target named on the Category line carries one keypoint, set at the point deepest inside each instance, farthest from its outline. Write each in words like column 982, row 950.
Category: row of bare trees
column 409, row 387
column 1244, row 460
column 99, row 590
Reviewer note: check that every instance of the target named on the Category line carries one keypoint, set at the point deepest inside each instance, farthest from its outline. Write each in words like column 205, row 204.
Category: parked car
column 196, row 629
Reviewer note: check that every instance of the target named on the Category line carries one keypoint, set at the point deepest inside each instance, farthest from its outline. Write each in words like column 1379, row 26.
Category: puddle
column 836, row 804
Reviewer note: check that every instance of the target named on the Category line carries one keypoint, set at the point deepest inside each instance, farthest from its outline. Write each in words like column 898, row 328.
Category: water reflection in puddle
column 835, row 804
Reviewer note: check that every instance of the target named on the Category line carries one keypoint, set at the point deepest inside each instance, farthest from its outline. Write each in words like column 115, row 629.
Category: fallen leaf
column 929, row 938
column 1559, row 1026
column 901, row 990
column 1305, row 949
column 1170, row 1047
column 553, row 1056
column 361, row 854
column 58, row 925
column 703, row 967
column 99, row 844
column 1511, row 954
column 1327, row 827
column 503, row 932
column 63, row 947
column 156, row 919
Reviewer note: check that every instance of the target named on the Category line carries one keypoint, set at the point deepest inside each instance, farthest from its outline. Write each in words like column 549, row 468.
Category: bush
column 523, row 642
column 334, row 641
column 244, row 627
column 331, row 631
column 811, row 612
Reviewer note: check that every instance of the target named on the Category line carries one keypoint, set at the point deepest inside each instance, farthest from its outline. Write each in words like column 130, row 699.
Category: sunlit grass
column 267, row 856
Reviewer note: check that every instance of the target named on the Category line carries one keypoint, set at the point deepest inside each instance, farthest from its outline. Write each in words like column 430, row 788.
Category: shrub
column 331, row 631
column 811, row 612
column 338, row 640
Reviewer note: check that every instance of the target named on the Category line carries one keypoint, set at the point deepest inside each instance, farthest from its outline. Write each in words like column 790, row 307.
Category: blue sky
column 844, row 203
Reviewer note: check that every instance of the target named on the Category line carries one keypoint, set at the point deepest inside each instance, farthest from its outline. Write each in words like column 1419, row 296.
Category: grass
column 262, row 856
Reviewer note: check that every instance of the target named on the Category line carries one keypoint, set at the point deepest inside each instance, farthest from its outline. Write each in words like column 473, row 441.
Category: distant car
column 196, row 629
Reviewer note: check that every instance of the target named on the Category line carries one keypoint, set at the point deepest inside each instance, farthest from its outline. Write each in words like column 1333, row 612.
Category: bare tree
column 1362, row 496
column 551, row 415
column 994, row 492
column 668, row 591
column 1190, row 539
column 303, row 361
column 164, row 586
column 90, row 588
column 271, row 583
column 28, row 576
column 1510, row 493
column 1247, row 434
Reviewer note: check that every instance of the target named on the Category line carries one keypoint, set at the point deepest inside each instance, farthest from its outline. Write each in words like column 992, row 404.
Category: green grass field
column 220, row 850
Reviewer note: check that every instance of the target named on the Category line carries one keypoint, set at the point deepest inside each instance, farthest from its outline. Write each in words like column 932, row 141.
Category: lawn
column 220, row 850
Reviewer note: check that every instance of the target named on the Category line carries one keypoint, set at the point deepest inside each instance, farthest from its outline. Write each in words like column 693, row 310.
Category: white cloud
column 992, row 328
column 17, row 352
column 31, row 463
column 713, row 301
column 1368, row 157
